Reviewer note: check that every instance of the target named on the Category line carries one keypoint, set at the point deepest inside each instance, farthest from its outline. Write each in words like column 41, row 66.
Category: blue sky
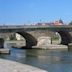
column 30, row 11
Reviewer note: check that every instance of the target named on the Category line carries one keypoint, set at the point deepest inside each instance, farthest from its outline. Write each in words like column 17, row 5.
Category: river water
column 50, row 60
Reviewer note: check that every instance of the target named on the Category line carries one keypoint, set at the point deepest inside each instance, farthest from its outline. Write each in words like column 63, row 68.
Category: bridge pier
column 1, row 43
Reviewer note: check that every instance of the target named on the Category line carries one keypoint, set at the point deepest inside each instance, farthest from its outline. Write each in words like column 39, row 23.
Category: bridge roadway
column 15, row 28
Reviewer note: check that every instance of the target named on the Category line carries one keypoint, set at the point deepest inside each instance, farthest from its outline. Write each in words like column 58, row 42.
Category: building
column 57, row 22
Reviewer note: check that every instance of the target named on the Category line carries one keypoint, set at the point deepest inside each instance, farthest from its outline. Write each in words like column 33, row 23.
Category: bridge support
column 1, row 43
column 30, row 40
column 65, row 37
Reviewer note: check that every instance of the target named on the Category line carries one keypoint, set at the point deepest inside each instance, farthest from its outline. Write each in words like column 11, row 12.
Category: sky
column 32, row 11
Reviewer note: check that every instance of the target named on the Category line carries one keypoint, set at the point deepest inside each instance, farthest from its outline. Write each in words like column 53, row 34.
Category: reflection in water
column 53, row 61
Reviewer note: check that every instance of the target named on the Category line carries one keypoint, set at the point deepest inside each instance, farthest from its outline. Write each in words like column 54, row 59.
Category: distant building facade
column 57, row 22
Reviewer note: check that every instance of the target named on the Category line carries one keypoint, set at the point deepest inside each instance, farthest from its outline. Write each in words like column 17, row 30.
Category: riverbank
column 52, row 47
column 11, row 66
column 4, row 51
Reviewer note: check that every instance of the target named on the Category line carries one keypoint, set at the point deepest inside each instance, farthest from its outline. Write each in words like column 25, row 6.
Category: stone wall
column 1, row 43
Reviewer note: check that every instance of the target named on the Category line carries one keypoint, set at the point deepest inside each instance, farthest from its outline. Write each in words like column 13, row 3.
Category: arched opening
column 65, row 37
column 30, row 40
column 56, row 38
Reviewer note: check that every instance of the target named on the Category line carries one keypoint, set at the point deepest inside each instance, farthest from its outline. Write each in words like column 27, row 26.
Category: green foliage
column 12, row 37
column 55, row 38
column 70, row 23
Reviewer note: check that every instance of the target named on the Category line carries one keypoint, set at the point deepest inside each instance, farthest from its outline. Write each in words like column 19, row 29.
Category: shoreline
column 12, row 66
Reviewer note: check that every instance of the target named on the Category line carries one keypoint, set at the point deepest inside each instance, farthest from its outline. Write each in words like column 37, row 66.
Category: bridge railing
column 33, row 26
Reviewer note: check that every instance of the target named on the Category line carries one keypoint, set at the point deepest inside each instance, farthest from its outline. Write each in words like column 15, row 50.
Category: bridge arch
column 65, row 37
column 30, row 40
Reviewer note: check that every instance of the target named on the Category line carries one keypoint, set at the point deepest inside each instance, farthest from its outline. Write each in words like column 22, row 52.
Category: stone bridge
column 31, row 33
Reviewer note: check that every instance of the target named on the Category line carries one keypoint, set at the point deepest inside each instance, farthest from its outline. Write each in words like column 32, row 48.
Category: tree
column 12, row 37
column 70, row 23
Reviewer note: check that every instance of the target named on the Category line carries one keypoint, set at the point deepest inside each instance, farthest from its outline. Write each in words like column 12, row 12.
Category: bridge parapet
column 14, row 28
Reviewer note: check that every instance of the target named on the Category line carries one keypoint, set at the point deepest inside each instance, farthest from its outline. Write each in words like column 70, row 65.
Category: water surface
column 50, row 60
